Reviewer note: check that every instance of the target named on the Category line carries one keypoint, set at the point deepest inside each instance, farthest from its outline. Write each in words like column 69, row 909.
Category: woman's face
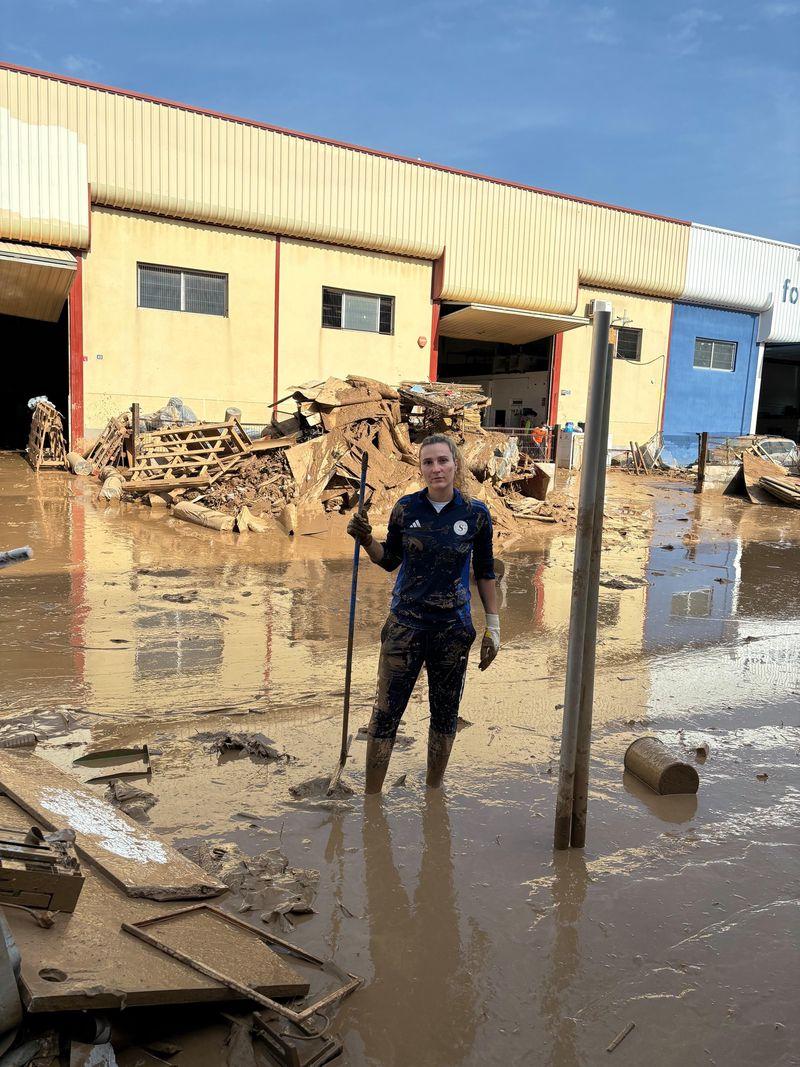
column 438, row 467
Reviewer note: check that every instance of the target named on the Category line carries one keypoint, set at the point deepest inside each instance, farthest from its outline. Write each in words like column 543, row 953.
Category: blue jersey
column 433, row 553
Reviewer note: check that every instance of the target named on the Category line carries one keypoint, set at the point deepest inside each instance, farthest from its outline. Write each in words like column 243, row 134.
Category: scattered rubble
column 303, row 472
column 251, row 744
column 130, row 799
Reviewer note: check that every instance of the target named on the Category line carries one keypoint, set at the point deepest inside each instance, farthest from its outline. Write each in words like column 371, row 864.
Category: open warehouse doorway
column 779, row 397
column 36, row 364
column 514, row 355
column 35, row 283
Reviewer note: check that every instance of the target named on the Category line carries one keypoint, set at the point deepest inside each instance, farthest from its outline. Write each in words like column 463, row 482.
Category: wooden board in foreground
column 141, row 863
column 87, row 961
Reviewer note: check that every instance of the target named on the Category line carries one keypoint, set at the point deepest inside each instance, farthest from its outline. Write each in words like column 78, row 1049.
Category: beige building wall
column 638, row 387
column 149, row 355
column 308, row 351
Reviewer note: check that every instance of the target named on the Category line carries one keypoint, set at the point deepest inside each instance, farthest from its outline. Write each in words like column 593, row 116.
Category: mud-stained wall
column 638, row 386
column 307, row 350
column 148, row 355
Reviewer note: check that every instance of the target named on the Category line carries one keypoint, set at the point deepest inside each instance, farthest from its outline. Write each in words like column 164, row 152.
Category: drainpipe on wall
column 757, row 389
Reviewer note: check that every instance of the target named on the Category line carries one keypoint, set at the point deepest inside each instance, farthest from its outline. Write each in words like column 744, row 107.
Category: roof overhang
column 34, row 281
column 481, row 322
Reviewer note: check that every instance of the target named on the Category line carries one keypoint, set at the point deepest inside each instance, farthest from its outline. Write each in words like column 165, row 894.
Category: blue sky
column 685, row 110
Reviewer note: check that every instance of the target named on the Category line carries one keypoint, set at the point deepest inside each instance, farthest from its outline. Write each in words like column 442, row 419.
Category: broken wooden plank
column 141, row 863
column 754, row 468
column 87, row 962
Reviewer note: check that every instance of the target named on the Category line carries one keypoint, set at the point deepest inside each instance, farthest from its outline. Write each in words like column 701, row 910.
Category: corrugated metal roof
column 735, row 270
column 34, row 281
column 505, row 244
column 512, row 326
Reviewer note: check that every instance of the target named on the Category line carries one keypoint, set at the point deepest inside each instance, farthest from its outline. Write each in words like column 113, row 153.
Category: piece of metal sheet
column 480, row 322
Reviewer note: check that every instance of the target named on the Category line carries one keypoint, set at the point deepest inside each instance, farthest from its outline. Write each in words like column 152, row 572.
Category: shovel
column 347, row 738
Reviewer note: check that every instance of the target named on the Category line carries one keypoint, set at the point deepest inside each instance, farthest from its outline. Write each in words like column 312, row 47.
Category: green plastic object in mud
column 653, row 763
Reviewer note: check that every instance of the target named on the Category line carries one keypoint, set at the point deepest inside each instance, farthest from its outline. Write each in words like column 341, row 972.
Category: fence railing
column 536, row 443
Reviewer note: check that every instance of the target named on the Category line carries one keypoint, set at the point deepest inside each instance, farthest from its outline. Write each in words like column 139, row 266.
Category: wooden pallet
column 46, row 445
column 786, row 491
column 107, row 449
column 197, row 454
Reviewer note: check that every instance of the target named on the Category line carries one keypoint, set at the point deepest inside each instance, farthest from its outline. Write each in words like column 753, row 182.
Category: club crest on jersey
column 460, row 527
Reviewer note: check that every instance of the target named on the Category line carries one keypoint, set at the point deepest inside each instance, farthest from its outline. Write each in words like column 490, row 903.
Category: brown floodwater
column 478, row 944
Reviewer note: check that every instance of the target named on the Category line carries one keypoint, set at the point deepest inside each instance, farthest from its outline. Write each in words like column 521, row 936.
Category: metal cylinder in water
column 653, row 763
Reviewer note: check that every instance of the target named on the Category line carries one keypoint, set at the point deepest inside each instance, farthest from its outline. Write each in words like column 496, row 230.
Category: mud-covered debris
column 400, row 782
column 462, row 723
column 252, row 744
column 702, row 750
column 762, row 777
column 239, row 1049
column 317, row 789
column 265, row 883
column 15, row 738
column 132, row 800
column 622, row 581
column 401, row 741
column 181, row 598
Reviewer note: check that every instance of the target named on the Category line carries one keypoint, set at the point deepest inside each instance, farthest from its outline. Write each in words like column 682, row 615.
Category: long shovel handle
column 352, row 624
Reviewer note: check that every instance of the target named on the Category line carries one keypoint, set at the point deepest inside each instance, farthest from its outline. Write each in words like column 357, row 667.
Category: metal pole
column 581, row 782
column 702, row 440
column 583, row 543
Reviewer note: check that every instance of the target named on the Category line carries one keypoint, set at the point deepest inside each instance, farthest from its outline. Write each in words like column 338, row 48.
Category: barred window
column 629, row 343
column 343, row 310
column 714, row 355
column 174, row 289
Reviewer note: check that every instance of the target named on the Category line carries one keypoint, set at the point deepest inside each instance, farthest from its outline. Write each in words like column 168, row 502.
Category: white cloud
column 686, row 34
column 79, row 66
column 781, row 10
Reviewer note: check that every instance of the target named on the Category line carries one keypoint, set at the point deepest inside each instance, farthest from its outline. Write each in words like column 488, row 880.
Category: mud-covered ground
column 478, row 944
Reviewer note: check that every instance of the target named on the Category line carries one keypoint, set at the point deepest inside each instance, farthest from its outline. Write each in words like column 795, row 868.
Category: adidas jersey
column 433, row 552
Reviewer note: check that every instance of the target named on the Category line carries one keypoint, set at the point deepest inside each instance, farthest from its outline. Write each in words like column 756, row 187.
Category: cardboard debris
column 304, row 472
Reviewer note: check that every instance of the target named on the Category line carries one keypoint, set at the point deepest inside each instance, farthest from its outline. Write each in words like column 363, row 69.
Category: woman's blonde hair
column 460, row 480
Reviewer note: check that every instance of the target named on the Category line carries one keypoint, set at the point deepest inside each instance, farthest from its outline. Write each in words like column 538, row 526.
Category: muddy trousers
column 444, row 653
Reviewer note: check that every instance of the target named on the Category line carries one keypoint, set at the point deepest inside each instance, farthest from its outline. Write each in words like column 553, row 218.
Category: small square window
column 365, row 312
column 629, row 343
column 714, row 355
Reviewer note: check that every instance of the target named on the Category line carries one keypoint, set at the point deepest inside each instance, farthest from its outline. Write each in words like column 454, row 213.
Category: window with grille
column 714, row 355
column 343, row 310
column 629, row 343
column 173, row 289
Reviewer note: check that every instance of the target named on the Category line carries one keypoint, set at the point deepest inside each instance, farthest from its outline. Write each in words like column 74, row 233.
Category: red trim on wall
column 75, row 314
column 433, row 368
column 336, row 144
column 437, row 278
column 555, row 379
column 666, row 370
column 276, row 314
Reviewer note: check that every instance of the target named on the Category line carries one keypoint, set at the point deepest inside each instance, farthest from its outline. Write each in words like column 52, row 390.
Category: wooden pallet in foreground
column 196, row 454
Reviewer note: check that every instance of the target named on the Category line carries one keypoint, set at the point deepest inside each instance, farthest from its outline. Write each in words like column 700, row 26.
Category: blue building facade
column 716, row 398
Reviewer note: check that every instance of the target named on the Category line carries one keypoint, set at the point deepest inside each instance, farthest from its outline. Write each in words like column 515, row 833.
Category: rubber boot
column 439, row 748
column 379, row 752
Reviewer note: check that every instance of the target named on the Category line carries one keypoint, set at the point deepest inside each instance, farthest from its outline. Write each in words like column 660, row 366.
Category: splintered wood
column 107, row 449
column 46, row 446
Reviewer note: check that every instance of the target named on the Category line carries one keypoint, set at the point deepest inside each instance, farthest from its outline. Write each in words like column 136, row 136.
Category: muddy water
column 478, row 945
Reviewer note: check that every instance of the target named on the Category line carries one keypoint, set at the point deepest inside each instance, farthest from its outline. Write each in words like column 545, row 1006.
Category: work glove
column 360, row 529
column 490, row 645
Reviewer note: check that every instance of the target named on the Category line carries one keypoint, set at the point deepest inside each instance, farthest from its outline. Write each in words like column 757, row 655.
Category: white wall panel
column 735, row 270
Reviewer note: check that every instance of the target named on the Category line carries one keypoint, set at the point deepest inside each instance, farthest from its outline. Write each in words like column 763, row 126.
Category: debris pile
column 46, row 446
column 304, row 470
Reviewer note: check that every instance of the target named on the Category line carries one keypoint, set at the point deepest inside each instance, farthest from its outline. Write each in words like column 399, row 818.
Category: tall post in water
column 580, row 796
column 594, row 443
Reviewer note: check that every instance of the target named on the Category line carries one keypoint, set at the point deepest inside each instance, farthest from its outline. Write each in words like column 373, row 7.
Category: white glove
column 490, row 645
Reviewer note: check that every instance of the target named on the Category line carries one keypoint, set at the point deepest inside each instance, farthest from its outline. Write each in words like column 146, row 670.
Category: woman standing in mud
column 432, row 535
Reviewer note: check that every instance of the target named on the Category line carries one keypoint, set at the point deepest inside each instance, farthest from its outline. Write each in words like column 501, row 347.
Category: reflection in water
column 570, row 879
column 676, row 808
column 421, row 968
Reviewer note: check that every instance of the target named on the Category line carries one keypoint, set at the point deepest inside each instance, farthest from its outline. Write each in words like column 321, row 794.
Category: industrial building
column 149, row 249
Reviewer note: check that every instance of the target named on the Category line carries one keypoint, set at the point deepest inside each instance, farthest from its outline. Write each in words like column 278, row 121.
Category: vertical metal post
column 555, row 439
column 581, row 783
column 593, row 444
column 701, row 461
column 136, row 428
